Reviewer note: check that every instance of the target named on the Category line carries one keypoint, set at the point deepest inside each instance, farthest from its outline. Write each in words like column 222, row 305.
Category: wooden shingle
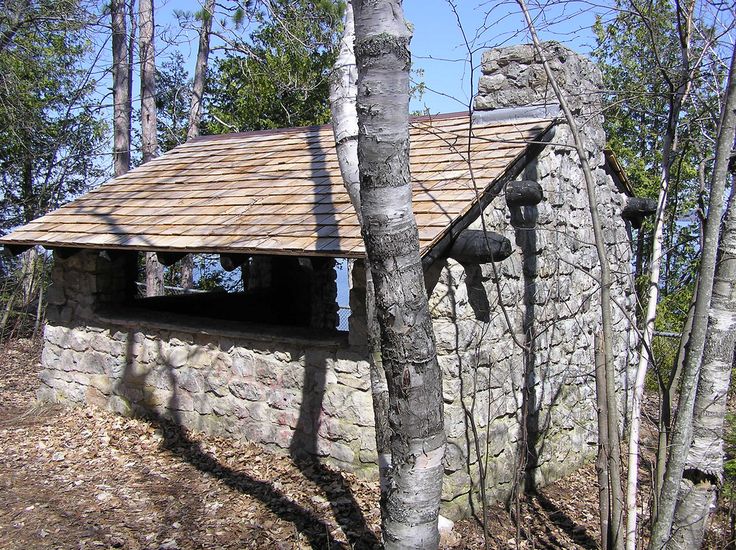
column 277, row 192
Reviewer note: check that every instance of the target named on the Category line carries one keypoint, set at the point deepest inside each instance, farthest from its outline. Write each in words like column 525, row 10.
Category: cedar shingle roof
column 275, row 192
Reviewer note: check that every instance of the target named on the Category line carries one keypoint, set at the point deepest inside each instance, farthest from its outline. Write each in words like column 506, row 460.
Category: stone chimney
column 514, row 77
column 514, row 85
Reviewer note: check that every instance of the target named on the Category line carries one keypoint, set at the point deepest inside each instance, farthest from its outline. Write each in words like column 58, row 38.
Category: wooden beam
column 17, row 249
column 230, row 262
column 637, row 208
column 441, row 246
column 477, row 247
column 65, row 252
column 169, row 258
column 523, row 193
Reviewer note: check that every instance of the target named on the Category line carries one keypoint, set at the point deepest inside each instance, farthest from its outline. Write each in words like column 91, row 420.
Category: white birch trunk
column 410, row 508
column 343, row 94
column 682, row 432
column 645, row 349
column 704, row 464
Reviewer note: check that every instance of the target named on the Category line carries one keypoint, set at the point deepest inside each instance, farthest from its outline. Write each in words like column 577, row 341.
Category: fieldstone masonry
column 515, row 340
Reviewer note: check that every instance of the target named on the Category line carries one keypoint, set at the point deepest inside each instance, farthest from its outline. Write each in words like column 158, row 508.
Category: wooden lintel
column 65, row 252
column 230, row 262
column 112, row 254
column 169, row 258
column 523, row 193
column 479, row 247
column 637, row 208
column 17, row 249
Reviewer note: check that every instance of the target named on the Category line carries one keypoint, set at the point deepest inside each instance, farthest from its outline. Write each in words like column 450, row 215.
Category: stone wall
column 298, row 392
column 516, row 340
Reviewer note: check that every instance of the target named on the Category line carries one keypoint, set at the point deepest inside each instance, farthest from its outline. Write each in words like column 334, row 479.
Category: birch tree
column 678, row 88
column 682, row 431
column 410, row 507
column 343, row 92
column 149, row 136
column 704, row 464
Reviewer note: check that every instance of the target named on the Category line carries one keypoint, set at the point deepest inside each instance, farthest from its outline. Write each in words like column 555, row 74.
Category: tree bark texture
column 343, row 93
column 704, row 464
column 410, row 507
column 606, row 403
column 200, row 70
column 149, row 137
column 120, row 88
column 682, row 432
column 148, row 80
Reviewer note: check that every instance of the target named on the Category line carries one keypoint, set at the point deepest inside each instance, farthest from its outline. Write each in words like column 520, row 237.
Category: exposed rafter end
column 637, row 208
column 169, row 258
column 523, row 193
column 113, row 254
column 230, row 262
column 17, row 249
column 477, row 246
column 65, row 252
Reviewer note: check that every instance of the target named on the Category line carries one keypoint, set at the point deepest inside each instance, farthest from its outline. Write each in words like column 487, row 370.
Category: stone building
column 515, row 326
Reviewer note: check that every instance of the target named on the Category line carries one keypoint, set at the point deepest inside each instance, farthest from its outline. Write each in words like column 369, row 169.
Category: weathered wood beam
column 492, row 190
column 65, row 252
column 523, row 193
column 169, row 258
column 637, row 208
column 230, row 262
column 17, row 249
column 112, row 254
column 475, row 246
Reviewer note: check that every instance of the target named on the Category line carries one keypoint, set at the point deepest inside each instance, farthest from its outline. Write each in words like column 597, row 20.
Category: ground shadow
column 565, row 523
column 176, row 440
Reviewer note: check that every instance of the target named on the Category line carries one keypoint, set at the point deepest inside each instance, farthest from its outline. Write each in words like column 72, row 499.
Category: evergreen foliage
column 279, row 76
column 50, row 131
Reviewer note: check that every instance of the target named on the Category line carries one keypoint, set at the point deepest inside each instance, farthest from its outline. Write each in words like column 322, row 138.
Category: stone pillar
column 324, row 294
column 358, row 321
column 87, row 280
column 548, row 284
column 514, row 77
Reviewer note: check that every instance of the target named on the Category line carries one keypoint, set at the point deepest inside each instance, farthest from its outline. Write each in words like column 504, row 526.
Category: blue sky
column 438, row 47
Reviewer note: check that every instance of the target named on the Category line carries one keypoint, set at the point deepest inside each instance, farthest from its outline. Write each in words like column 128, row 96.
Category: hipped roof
column 278, row 192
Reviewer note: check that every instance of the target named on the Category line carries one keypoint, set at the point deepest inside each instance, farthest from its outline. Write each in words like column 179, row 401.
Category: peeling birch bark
column 698, row 422
column 410, row 507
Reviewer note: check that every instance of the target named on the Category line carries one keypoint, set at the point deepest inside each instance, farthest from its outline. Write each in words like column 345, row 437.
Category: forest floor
column 86, row 478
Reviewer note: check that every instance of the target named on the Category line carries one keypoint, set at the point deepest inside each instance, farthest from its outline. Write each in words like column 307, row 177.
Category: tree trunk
column 645, row 351
column 149, row 138
column 186, row 270
column 704, row 464
column 410, row 507
column 682, row 432
column 120, row 88
column 607, row 403
column 149, row 147
column 343, row 92
column 200, row 70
